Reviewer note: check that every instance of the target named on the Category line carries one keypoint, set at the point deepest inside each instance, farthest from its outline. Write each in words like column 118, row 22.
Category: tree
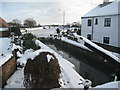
column 68, row 25
column 30, row 22
column 58, row 30
column 16, row 31
column 76, row 24
column 15, row 22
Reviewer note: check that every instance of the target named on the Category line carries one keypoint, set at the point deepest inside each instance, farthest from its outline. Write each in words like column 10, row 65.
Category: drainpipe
column 92, row 28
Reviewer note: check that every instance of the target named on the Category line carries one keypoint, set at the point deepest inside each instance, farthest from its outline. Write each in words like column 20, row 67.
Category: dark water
column 83, row 65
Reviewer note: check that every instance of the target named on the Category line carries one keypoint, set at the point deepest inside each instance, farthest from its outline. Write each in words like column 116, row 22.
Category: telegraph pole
column 63, row 19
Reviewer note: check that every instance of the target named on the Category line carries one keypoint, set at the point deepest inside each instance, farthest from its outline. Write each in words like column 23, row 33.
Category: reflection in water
column 84, row 66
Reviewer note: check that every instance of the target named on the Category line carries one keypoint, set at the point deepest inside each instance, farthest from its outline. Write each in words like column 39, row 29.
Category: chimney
column 105, row 1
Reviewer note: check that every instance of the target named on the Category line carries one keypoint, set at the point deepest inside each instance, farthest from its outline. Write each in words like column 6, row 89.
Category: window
column 107, row 22
column 96, row 21
column 89, row 22
column 89, row 36
column 106, row 40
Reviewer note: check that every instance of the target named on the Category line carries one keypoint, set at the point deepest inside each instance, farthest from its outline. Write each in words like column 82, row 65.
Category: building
column 102, row 24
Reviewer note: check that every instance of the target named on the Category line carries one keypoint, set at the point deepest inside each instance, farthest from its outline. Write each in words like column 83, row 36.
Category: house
column 102, row 24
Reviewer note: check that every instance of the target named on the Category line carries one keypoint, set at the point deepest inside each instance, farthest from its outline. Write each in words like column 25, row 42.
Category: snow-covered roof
column 110, row 8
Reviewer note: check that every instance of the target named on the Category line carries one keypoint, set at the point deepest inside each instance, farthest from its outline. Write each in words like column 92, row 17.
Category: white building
column 102, row 24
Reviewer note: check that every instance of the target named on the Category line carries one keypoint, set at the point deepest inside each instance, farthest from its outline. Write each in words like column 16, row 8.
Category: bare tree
column 15, row 22
column 76, row 24
column 30, row 22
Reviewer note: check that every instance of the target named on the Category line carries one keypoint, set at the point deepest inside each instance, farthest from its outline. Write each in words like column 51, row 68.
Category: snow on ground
column 5, row 45
column 37, row 28
column 101, row 49
column 115, row 84
column 5, row 50
column 98, row 47
column 42, row 32
column 69, row 77
column 47, row 32
column 16, row 47
column 5, row 58
column 16, row 80
column 3, row 29
column 74, row 43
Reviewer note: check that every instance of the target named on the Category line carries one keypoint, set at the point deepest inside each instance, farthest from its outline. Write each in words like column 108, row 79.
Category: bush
column 16, row 31
column 79, row 32
column 42, row 74
column 29, row 42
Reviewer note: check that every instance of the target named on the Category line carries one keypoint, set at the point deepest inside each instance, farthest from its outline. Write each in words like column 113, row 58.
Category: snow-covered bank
column 68, row 73
column 98, row 47
column 74, row 43
column 69, row 78
column 115, row 84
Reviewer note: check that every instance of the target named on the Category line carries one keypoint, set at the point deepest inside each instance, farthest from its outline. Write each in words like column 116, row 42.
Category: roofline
column 100, row 16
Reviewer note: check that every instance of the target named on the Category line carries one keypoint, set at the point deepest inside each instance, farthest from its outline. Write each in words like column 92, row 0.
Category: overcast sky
column 46, row 11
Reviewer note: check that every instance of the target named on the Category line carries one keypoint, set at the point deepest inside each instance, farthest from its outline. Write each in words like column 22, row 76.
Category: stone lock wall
column 6, row 70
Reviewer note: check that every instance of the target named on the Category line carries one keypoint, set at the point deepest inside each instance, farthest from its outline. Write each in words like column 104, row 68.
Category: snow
column 16, row 47
column 5, row 58
column 105, row 10
column 3, row 29
column 98, row 47
column 115, row 84
column 37, row 28
column 43, row 32
column 68, row 73
column 49, row 57
column 5, row 45
column 5, row 50
column 69, row 78
column 101, row 49
column 17, row 79
column 74, row 43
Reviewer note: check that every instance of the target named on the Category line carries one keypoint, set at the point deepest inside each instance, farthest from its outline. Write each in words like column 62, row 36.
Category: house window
column 89, row 36
column 106, row 40
column 96, row 21
column 107, row 22
column 89, row 22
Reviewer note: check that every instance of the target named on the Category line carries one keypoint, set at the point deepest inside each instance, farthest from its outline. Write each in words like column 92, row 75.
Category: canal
column 87, row 67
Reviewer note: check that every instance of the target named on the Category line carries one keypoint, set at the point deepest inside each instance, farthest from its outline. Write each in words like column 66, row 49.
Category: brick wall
column 4, row 33
column 7, row 70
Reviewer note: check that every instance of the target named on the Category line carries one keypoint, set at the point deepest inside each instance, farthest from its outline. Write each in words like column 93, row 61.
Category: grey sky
column 46, row 11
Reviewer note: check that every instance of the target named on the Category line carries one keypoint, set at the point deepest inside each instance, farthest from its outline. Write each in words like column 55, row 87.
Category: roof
column 110, row 8
column 3, row 23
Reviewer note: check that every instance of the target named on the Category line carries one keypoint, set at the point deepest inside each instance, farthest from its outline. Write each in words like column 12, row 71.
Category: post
column 63, row 19
column 92, row 28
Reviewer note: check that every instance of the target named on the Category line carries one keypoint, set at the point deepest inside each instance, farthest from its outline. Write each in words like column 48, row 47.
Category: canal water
column 84, row 66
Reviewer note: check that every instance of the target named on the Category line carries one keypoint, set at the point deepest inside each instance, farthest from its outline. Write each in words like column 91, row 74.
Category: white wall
column 119, row 30
column 99, row 31
column 119, row 24
column 85, row 29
